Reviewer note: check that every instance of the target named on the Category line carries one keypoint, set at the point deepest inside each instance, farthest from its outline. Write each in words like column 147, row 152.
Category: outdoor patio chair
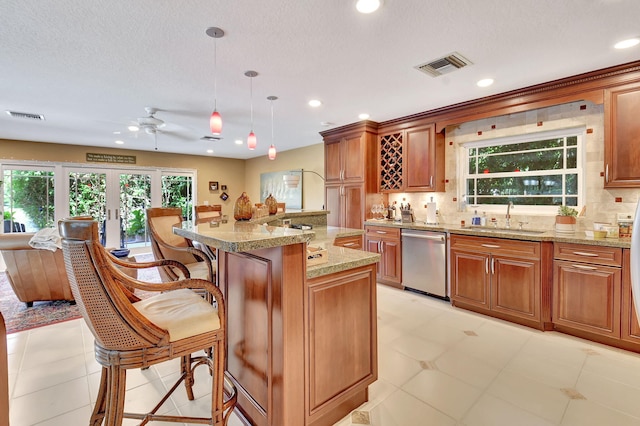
column 133, row 333
column 167, row 245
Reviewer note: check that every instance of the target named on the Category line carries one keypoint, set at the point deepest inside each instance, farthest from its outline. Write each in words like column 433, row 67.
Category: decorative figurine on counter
column 242, row 208
column 272, row 204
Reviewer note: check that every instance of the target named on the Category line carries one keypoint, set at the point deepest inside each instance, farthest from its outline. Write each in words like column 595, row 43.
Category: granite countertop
column 247, row 236
column 287, row 214
column 577, row 237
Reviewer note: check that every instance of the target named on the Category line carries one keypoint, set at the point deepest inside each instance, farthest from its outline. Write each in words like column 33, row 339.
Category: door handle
column 493, row 268
column 486, row 266
column 431, row 181
column 116, row 211
column 606, row 173
column 108, row 214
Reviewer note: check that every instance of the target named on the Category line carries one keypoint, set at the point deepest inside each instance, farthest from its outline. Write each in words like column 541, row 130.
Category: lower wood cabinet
column 387, row 242
column 629, row 326
column 341, row 343
column 502, row 278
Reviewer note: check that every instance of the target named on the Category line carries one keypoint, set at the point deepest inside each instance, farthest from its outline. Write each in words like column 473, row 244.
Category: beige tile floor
column 437, row 366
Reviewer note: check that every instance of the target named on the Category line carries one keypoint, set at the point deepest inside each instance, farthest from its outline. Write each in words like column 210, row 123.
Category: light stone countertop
column 247, row 236
column 577, row 237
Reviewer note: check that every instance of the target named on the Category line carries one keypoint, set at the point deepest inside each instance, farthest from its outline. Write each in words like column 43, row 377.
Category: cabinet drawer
column 354, row 242
column 588, row 254
column 497, row 246
column 383, row 232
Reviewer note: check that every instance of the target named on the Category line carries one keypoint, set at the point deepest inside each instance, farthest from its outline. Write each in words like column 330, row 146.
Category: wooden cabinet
column 622, row 136
column 411, row 160
column 629, row 327
column 587, row 285
column 353, row 242
column 350, row 173
column 387, row 242
column 502, row 278
column 341, row 342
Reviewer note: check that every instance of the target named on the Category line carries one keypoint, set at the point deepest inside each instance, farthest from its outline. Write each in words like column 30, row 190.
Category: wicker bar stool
column 167, row 245
column 133, row 333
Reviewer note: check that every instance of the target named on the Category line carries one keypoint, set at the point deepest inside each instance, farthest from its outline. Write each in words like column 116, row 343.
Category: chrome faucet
column 507, row 223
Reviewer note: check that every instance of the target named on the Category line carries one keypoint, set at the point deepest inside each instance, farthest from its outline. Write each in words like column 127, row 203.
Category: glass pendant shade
column 252, row 141
column 272, row 152
column 215, row 122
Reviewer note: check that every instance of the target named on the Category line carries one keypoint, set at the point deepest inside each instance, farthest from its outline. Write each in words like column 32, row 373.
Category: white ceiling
column 92, row 66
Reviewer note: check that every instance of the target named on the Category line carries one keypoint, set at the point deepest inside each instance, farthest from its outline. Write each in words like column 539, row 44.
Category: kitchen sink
column 508, row 231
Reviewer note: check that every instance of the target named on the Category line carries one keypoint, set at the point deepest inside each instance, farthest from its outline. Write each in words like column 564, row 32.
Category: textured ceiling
column 91, row 67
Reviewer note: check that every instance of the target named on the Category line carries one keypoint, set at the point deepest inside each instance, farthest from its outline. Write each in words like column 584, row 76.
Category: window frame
column 463, row 170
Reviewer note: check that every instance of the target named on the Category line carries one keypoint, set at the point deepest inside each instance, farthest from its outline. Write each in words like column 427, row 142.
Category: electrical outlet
column 286, row 223
column 624, row 216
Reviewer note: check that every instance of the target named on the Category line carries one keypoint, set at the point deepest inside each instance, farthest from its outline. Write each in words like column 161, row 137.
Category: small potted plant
column 566, row 219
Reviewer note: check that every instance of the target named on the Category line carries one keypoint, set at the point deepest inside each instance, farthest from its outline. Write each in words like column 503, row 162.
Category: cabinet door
column 515, row 287
column 353, row 159
column 470, row 278
column 622, row 136
column 587, row 297
column 419, row 159
column 391, row 262
column 353, row 205
column 332, row 195
column 374, row 245
column 630, row 328
column 332, row 163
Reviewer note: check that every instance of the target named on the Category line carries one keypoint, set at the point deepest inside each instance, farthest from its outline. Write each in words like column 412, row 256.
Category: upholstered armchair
column 34, row 274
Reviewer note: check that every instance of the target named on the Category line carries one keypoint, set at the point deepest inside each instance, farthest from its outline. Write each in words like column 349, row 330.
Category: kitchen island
column 302, row 341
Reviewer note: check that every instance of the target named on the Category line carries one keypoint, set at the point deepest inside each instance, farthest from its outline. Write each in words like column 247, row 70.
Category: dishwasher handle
column 438, row 238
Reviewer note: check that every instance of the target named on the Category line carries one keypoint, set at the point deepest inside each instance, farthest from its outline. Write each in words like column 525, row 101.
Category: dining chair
column 167, row 245
column 133, row 333
column 208, row 212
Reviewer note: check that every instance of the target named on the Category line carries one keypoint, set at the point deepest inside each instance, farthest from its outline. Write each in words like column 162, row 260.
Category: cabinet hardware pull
column 590, row 268
column 606, row 173
column 381, row 247
column 349, row 244
column 486, row 266
column 583, row 253
column 493, row 267
column 381, row 232
column 490, row 246
column 431, row 181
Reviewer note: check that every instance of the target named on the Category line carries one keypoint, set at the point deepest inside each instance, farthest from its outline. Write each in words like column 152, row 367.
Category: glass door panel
column 87, row 197
column 29, row 199
column 177, row 191
column 135, row 199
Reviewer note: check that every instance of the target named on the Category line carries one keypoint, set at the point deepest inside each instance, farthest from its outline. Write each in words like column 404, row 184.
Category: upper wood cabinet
column 411, row 160
column 350, row 173
column 622, row 136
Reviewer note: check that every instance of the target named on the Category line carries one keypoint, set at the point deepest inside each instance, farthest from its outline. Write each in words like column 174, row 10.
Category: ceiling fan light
column 272, row 152
column 133, row 128
column 252, row 141
column 215, row 122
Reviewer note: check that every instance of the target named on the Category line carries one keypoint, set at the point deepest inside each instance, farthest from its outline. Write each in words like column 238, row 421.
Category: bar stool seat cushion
column 183, row 313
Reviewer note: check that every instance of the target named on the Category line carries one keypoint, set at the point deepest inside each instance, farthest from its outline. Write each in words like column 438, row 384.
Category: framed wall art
column 213, row 186
column 273, row 183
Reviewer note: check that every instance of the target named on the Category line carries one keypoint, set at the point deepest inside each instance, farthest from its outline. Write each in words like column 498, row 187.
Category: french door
column 116, row 198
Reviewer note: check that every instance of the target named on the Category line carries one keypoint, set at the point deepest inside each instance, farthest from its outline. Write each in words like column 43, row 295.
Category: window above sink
column 538, row 171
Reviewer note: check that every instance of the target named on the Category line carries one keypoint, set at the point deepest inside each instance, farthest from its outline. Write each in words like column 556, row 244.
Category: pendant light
column 272, row 148
column 215, row 121
column 252, row 141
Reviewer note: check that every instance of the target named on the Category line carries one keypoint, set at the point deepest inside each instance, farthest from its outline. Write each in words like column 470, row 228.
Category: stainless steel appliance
column 424, row 262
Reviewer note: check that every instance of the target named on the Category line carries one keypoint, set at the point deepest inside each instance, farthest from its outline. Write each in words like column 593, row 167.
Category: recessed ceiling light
column 363, row 116
column 368, row 6
column 326, row 123
column 624, row 44
column 314, row 103
column 119, row 142
column 209, row 151
column 485, row 82
column 133, row 128
column 239, row 141
column 117, row 132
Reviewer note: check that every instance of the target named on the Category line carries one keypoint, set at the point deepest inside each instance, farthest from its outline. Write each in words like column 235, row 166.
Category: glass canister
column 242, row 208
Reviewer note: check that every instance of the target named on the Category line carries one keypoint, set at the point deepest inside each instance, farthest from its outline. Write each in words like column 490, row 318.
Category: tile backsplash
column 600, row 203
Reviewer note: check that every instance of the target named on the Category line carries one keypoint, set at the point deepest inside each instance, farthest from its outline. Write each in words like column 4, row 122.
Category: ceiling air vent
column 27, row 115
column 444, row 65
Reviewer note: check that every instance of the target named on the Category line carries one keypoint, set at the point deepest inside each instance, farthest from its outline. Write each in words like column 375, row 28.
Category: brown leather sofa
column 34, row 274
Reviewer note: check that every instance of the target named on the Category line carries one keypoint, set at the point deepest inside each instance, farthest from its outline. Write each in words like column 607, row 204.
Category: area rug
column 18, row 317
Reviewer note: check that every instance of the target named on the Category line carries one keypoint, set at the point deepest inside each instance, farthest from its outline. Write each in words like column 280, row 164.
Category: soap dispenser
column 475, row 219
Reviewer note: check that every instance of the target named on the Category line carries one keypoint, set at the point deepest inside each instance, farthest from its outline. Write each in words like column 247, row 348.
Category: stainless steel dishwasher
column 424, row 262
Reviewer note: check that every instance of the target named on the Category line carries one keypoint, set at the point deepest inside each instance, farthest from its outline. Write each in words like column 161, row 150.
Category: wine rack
column 391, row 162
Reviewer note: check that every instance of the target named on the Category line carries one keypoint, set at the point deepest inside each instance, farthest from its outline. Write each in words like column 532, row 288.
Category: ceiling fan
column 153, row 125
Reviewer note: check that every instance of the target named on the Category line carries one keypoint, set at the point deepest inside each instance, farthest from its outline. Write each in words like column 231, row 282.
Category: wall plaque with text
column 110, row 158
